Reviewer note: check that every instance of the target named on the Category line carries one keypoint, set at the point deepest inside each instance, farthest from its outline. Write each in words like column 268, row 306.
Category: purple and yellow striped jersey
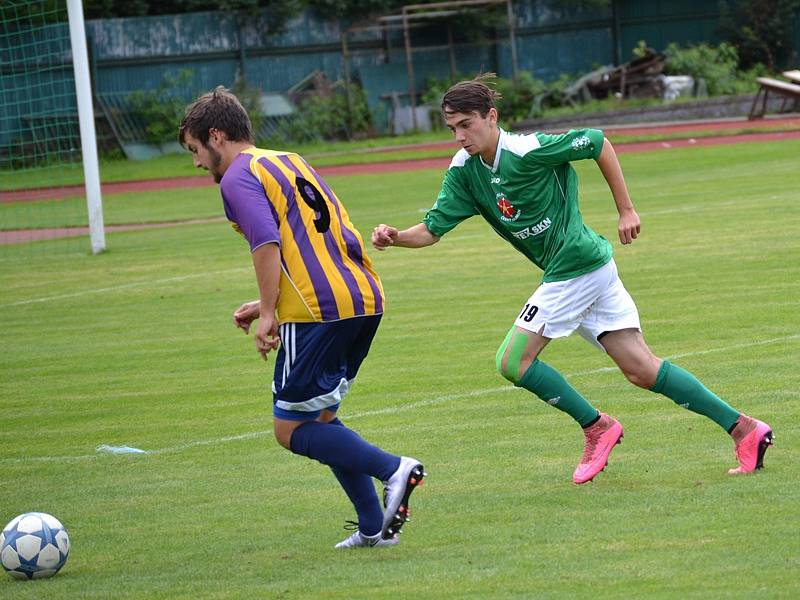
column 326, row 275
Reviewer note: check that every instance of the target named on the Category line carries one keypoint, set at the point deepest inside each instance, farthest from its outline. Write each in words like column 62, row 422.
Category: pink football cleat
column 600, row 441
column 752, row 438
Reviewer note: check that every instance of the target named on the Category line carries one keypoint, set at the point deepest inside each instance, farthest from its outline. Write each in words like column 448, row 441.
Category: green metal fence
column 553, row 37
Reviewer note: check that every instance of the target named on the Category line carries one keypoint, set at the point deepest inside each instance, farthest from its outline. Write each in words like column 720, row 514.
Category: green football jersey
column 530, row 197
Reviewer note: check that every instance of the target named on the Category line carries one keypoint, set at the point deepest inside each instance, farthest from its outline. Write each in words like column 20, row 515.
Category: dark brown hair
column 472, row 95
column 218, row 109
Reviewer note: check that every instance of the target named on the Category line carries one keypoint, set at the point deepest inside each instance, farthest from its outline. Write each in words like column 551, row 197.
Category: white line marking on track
column 124, row 286
column 382, row 411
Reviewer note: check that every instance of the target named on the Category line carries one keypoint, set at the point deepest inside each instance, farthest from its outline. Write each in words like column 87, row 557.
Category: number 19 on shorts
column 528, row 313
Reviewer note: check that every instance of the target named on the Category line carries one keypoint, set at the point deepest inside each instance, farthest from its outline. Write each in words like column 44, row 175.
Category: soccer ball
column 34, row 545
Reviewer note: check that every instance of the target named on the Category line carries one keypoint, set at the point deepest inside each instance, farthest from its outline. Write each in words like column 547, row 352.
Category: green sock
column 685, row 390
column 549, row 385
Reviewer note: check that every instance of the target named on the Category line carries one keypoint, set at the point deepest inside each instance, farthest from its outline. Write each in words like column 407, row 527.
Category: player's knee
column 283, row 437
column 508, row 366
column 508, row 373
column 284, row 440
column 511, row 359
column 641, row 375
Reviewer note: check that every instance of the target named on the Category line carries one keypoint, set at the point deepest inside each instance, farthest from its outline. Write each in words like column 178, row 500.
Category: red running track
column 390, row 166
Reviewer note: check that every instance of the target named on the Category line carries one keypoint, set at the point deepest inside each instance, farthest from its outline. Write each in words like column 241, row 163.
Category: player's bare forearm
column 612, row 171
column 629, row 223
column 417, row 236
column 267, row 264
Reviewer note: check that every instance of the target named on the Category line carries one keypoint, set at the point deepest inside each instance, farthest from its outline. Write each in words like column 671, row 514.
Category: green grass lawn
column 135, row 347
column 132, row 207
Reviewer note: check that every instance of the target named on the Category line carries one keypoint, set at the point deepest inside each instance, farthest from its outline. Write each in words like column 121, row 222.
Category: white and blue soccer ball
column 34, row 545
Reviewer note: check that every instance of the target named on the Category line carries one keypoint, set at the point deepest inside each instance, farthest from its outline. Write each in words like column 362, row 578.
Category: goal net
column 43, row 181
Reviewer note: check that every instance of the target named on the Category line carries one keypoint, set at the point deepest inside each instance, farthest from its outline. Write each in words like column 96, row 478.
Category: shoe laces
column 592, row 437
column 740, row 449
column 744, row 427
column 350, row 525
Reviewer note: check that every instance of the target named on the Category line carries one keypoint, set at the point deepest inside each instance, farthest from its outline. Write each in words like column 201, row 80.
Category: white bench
column 793, row 76
column 789, row 91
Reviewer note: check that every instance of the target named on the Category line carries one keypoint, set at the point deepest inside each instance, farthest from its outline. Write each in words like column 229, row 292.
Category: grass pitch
column 135, row 347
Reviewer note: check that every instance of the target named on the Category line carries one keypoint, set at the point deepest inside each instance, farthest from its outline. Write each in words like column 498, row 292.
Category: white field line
column 387, row 410
column 124, row 286
column 691, row 208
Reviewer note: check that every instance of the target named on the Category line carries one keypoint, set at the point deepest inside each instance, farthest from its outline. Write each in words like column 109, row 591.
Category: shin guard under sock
column 361, row 491
column 685, row 390
column 549, row 385
column 344, row 448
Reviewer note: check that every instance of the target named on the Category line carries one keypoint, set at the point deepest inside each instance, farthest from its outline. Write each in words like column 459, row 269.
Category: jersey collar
column 500, row 145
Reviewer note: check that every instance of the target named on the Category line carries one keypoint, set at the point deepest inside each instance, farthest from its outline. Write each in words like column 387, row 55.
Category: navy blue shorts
column 317, row 363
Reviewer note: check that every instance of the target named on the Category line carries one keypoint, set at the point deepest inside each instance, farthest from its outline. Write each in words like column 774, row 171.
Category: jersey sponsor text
column 535, row 230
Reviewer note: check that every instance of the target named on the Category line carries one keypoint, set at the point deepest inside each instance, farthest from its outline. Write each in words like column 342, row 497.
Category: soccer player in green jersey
column 526, row 189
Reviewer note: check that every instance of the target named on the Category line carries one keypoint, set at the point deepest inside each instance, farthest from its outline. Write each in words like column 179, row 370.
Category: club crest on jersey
column 580, row 143
column 507, row 211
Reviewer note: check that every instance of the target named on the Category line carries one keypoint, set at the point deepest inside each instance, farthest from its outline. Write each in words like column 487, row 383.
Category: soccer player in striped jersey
column 320, row 303
column 526, row 189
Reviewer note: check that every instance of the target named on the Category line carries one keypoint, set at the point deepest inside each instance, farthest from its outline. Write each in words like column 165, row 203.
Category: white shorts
column 591, row 304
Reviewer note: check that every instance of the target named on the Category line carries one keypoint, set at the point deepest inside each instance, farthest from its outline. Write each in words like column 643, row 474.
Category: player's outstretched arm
column 418, row 236
column 629, row 224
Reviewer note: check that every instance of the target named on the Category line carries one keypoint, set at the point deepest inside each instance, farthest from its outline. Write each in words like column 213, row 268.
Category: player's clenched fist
column 629, row 226
column 384, row 236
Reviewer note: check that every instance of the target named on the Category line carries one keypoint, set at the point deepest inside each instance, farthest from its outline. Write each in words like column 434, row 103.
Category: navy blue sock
column 361, row 491
column 344, row 448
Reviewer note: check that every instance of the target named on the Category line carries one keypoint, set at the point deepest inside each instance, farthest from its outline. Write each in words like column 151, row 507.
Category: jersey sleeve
column 453, row 205
column 576, row 144
column 247, row 206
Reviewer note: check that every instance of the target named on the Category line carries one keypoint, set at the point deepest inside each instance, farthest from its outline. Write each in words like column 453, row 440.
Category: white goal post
column 83, row 88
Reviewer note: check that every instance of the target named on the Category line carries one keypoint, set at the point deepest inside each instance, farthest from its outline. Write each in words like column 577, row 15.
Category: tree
column 103, row 9
column 761, row 30
column 281, row 10
column 352, row 9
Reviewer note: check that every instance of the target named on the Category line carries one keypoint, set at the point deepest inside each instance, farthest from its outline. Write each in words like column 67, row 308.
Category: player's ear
column 216, row 135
